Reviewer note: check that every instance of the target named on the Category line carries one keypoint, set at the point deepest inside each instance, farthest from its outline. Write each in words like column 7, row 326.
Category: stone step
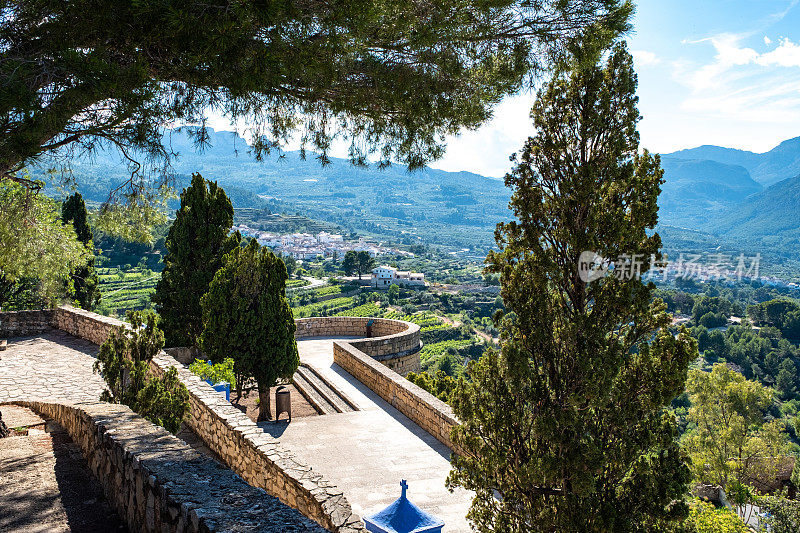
column 349, row 405
column 325, row 390
column 317, row 401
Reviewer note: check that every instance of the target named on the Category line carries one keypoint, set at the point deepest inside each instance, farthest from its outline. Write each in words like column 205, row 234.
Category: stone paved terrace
column 366, row 453
column 53, row 366
column 45, row 483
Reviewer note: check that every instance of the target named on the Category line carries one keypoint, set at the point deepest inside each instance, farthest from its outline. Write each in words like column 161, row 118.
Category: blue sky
column 723, row 72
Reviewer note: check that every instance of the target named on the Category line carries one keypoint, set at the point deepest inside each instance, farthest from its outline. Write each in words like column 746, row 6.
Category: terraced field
column 123, row 290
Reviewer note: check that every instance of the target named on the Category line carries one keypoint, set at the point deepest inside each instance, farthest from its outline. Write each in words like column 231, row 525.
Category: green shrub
column 437, row 383
column 705, row 518
column 124, row 362
column 216, row 373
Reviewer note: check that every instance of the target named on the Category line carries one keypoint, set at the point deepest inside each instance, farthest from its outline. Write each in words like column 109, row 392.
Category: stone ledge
column 24, row 323
column 261, row 461
column 423, row 408
column 157, row 483
column 393, row 342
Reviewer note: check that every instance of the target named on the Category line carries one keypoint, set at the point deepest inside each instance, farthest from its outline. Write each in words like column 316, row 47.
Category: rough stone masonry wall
column 157, row 483
column 257, row 457
column 423, row 408
column 394, row 343
column 23, row 323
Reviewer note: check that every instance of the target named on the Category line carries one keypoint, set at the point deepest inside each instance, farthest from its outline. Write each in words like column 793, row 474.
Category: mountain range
column 731, row 196
column 743, row 198
column 768, row 168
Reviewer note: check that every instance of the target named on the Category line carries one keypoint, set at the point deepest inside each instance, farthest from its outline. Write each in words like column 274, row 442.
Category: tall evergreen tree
column 364, row 263
column 564, row 430
column 84, row 278
column 246, row 316
column 196, row 243
column 350, row 262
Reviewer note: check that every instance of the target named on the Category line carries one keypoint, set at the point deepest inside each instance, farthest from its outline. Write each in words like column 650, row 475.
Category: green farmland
column 125, row 289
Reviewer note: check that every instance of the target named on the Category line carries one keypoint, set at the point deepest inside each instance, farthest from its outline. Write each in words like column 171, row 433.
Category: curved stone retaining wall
column 257, row 457
column 394, row 343
column 157, row 483
column 426, row 410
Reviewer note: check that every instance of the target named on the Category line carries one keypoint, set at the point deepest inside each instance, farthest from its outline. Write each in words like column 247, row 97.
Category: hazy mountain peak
column 780, row 163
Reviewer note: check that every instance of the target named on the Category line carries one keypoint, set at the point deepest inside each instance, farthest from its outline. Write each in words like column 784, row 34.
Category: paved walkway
column 367, row 453
column 53, row 366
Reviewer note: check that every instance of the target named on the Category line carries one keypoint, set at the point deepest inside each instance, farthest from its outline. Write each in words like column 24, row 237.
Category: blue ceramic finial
column 402, row 516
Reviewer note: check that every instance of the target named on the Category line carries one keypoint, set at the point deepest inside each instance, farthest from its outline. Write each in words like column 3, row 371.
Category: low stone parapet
column 157, row 483
column 24, row 323
column 395, row 343
column 376, row 360
column 422, row 407
column 252, row 454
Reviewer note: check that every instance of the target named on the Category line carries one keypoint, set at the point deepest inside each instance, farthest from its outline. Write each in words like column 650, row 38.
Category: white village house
column 384, row 276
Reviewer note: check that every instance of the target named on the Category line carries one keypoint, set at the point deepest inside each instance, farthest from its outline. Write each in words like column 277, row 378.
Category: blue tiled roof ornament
column 402, row 516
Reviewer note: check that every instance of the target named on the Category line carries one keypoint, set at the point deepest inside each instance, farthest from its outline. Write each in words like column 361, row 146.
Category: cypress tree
column 565, row 429
column 84, row 278
column 196, row 243
column 246, row 316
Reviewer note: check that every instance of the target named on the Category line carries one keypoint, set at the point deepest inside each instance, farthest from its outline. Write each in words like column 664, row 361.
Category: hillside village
column 323, row 244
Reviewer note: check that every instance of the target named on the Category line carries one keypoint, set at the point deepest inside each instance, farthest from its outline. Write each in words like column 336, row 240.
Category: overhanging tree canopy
column 391, row 77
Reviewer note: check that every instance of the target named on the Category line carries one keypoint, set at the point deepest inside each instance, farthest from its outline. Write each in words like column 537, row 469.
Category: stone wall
column 24, row 323
column 423, row 408
column 404, row 364
column 185, row 355
column 259, row 459
column 394, row 343
column 157, row 483
column 246, row 449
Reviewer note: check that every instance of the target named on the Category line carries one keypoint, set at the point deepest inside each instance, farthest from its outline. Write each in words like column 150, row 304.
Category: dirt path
column 479, row 333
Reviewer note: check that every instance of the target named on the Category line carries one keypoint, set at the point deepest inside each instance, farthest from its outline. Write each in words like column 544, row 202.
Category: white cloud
column 767, row 40
column 787, row 54
column 743, row 83
column 643, row 58
column 487, row 149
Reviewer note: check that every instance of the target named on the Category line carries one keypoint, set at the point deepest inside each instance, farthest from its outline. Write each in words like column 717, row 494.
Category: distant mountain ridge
column 455, row 209
column 707, row 189
column 770, row 217
column 768, row 168
column 696, row 191
column 710, row 189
